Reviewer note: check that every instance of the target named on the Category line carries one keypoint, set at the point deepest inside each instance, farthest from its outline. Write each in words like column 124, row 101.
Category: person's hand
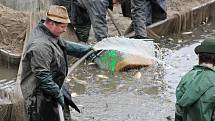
column 94, row 55
column 67, row 97
column 60, row 99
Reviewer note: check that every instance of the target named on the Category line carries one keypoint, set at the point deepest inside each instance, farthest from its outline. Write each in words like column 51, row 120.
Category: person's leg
column 82, row 32
column 158, row 10
column 97, row 10
column 80, row 20
column 138, row 12
column 148, row 12
column 126, row 8
column 65, row 3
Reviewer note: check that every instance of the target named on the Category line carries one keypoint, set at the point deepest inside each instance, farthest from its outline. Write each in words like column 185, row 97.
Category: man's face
column 58, row 29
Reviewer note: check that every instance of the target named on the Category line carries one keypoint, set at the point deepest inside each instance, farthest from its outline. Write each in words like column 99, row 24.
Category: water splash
column 139, row 47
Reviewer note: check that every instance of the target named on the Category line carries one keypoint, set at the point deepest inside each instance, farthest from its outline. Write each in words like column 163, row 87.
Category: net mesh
column 186, row 21
column 27, row 5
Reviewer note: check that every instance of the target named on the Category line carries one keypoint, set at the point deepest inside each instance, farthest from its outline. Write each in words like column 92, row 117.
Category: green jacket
column 44, row 68
column 195, row 95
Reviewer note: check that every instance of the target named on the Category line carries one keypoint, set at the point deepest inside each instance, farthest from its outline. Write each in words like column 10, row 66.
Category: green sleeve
column 47, row 84
column 76, row 49
column 41, row 57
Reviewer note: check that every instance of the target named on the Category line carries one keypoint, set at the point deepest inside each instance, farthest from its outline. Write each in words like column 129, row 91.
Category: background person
column 144, row 13
column 195, row 97
column 84, row 13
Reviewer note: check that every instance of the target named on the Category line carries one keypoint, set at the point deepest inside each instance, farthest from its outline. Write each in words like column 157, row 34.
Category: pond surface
column 7, row 72
column 147, row 94
column 103, row 96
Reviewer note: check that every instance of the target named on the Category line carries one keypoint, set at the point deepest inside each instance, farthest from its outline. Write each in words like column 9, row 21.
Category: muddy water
column 7, row 72
column 7, row 81
column 138, row 95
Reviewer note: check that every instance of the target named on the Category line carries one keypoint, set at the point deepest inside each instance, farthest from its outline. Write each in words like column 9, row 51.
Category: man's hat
column 207, row 46
column 58, row 14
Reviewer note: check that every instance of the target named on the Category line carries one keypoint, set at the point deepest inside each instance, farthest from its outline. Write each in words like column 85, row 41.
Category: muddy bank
column 178, row 6
column 12, row 29
column 14, row 23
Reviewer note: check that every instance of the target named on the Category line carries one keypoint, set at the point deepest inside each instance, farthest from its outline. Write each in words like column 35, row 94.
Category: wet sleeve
column 41, row 57
column 76, row 49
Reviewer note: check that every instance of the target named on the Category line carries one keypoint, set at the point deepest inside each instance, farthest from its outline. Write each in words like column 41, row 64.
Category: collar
column 46, row 30
column 204, row 67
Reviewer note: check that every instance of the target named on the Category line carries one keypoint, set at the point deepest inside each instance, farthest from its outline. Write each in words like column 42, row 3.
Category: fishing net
column 124, row 53
column 27, row 5
column 181, row 22
column 186, row 21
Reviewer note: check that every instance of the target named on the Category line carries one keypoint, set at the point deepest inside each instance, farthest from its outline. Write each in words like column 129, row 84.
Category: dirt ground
column 13, row 23
column 176, row 6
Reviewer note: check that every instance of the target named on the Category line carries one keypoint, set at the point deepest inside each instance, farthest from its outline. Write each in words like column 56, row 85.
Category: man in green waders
column 195, row 93
column 45, row 66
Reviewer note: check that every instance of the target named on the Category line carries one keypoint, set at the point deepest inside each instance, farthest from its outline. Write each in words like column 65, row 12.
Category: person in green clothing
column 195, row 94
column 45, row 66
